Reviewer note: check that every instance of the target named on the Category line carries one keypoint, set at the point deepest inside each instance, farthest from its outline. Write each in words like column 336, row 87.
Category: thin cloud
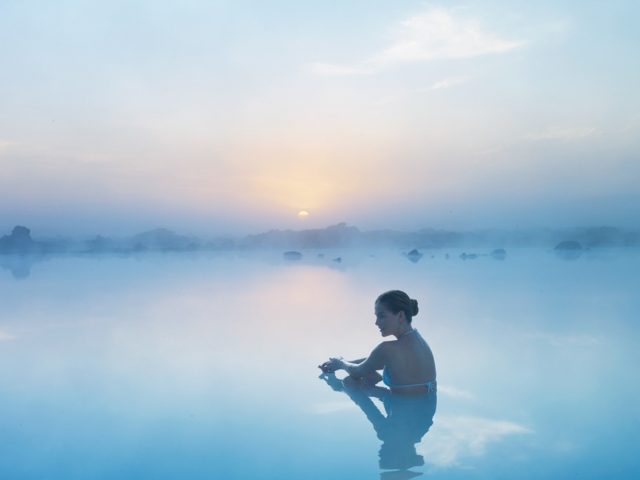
column 442, row 84
column 551, row 134
column 632, row 124
column 439, row 85
column 330, row 70
column 433, row 35
column 437, row 34
column 562, row 134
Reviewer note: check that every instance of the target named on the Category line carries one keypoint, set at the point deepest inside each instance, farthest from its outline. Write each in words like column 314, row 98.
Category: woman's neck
column 406, row 332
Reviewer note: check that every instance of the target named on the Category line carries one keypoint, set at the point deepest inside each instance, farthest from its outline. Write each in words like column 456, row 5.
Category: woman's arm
column 331, row 365
column 361, row 367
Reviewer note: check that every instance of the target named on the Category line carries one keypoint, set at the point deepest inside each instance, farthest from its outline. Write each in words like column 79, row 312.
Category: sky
column 232, row 117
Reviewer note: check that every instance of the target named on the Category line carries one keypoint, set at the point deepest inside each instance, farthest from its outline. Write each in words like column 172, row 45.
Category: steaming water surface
column 203, row 366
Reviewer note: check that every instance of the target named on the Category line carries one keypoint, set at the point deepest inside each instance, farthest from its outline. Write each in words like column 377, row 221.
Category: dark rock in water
column 568, row 245
column 292, row 255
column 21, row 234
column 414, row 256
column 468, row 256
column 337, row 259
column 568, row 249
column 19, row 241
column 499, row 254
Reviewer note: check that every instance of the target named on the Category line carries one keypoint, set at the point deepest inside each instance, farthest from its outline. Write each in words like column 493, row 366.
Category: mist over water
column 203, row 364
column 200, row 201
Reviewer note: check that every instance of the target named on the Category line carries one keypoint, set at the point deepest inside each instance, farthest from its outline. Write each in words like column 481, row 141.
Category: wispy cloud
column 558, row 135
column 632, row 124
column 562, row 133
column 454, row 437
column 444, row 83
column 439, row 85
column 331, row 70
column 436, row 34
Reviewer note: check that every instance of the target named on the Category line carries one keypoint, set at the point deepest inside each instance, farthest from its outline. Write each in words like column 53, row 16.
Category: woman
column 407, row 362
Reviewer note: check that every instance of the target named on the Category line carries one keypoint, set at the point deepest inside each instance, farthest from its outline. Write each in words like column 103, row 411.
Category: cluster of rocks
column 295, row 255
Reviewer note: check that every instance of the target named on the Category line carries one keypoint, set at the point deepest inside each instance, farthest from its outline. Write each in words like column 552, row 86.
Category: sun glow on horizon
column 392, row 124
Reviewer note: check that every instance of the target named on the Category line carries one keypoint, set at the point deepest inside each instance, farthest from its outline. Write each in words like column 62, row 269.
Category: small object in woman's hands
column 331, row 365
column 326, row 367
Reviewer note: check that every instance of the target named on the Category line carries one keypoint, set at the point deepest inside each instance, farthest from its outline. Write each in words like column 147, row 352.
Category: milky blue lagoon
column 204, row 366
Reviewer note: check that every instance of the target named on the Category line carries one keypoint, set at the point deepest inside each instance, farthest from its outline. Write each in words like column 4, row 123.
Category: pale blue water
column 203, row 366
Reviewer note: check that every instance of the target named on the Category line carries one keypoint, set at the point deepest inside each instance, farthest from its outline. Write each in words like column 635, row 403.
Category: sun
column 303, row 214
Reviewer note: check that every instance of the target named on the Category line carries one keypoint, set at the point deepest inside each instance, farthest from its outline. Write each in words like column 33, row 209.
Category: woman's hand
column 333, row 364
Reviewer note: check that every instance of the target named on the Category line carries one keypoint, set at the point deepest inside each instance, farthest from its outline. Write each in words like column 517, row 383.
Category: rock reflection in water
column 19, row 265
column 406, row 419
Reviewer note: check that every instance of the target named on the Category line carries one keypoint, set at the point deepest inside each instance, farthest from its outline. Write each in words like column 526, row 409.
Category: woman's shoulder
column 388, row 346
column 383, row 348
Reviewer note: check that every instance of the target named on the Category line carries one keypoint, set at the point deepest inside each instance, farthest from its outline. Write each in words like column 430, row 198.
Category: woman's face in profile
column 386, row 320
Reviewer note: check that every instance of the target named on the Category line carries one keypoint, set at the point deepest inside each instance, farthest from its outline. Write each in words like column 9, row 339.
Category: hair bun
column 414, row 307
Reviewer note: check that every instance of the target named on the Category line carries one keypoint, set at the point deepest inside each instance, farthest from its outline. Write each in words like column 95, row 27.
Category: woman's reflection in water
column 407, row 419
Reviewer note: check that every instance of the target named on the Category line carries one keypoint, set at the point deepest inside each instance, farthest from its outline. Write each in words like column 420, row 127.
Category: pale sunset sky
column 231, row 117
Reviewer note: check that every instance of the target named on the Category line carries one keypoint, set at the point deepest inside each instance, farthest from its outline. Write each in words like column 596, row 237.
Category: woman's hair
column 397, row 300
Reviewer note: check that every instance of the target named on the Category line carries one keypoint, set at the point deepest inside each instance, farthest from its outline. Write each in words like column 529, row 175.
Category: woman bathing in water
column 407, row 363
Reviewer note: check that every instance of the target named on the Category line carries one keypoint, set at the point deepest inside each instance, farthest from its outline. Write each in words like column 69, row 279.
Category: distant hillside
column 163, row 239
column 339, row 235
column 334, row 236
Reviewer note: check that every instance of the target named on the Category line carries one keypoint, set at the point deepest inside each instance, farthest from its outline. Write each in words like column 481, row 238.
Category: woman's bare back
column 409, row 361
